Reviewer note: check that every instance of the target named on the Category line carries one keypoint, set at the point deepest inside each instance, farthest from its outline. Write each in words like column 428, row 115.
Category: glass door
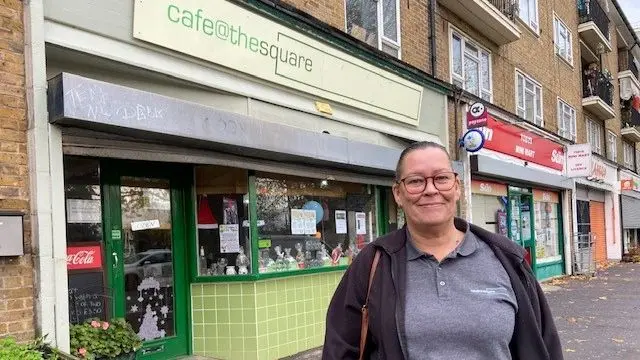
column 520, row 223
column 147, row 244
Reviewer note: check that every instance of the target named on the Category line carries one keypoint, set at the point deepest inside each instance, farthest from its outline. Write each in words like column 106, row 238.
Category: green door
column 146, row 240
column 521, row 223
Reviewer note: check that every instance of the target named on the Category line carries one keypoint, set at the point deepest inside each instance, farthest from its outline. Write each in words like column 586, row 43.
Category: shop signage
column 629, row 182
column 477, row 116
column 579, row 160
column 227, row 34
column 488, row 188
column 84, row 257
column 522, row 144
column 626, row 184
column 598, row 171
column 545, row 196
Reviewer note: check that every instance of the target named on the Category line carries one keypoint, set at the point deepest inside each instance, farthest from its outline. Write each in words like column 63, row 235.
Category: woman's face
column 432, row 203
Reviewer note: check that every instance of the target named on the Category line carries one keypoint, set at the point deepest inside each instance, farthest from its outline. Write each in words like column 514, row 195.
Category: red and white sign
column 477, row 116
column 522, row 144
column 84, row 257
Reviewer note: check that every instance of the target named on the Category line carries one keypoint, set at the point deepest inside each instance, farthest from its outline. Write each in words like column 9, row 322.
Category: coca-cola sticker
column 84, row 257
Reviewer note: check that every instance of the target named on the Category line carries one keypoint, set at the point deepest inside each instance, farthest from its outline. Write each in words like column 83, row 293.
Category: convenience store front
column 519, row 190
column 215, row 198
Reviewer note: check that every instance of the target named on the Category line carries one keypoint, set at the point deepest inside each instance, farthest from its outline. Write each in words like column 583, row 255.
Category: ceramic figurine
column 326, row 260
column 299, row 256
column 242, row 262
column 280, row 265
column 336, row 254
column 222, row 264
column 290, row 262
column 231, row 270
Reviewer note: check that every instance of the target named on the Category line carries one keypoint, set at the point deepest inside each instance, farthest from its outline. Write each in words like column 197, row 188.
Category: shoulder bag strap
column 365, row 308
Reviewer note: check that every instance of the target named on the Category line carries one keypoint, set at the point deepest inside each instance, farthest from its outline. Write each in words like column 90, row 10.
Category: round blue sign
column 472, row 140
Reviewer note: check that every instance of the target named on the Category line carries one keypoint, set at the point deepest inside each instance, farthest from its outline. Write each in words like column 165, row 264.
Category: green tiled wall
column 262, row 320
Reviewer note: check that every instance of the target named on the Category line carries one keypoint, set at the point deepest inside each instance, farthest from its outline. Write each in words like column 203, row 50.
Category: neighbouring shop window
column 307, row 223
column 529, row 13
column 363, row 19
column 628, row 155
column 529, row 99
column 594, row 135
column 612, row 146
column 395, row 214
column 547, row 225
column 566, row 120
column 88, row 294
column 489, row 209
column 222, row 214
column 470, row 66
column 562, row 40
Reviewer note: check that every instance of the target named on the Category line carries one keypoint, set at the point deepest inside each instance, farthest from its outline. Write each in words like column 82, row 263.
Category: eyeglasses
column 416, row 184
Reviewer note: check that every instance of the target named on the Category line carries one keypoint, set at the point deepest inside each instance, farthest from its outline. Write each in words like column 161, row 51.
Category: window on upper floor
column 562, row 40
column 470, row 66
column 529, row 99
column 529, row 13
column 612, row 146
column 628, row 152
column 594, row 135
column 376, row 22
column 637, row 160
column 566, row 120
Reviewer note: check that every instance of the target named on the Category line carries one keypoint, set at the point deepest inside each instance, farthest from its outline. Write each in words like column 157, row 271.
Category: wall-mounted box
column 11, row 234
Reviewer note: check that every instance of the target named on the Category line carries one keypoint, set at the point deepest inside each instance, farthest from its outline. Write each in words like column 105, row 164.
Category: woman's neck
column 438, row 241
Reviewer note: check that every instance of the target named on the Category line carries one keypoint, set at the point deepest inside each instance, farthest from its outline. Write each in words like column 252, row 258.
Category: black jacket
column 534, row 338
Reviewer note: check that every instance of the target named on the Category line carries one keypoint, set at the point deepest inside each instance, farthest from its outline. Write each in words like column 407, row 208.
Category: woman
column 443, row 288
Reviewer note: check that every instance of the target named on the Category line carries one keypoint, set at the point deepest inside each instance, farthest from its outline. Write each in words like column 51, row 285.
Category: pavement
column 598, row 317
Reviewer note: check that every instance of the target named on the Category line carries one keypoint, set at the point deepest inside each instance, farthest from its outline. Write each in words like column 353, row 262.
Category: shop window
column 309, row 223
column 489, row 206
column 222, row 214
column 88, row 294
column 363, row 19
column 547, row 226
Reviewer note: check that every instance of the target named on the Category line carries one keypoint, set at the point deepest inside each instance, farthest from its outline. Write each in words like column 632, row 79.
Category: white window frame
column 628, row 152
column 534, row 24
column 637, row 160
column 383, row 40
column 594, row 128
column 612, row 146
column 558, row 26
column 567, row 131
column 538, row 103
column 455, row 77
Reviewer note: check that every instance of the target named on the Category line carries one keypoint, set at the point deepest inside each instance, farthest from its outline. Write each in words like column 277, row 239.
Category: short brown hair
column 418, row 145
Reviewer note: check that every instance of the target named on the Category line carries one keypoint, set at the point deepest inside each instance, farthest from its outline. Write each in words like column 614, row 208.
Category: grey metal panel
column 596, row 195
column 633, row 194
column 493, row 167
column 630, row 212
column 87, row 103
column 582, row 193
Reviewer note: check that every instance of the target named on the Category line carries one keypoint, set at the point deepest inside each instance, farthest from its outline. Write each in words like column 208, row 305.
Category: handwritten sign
column 86, row 297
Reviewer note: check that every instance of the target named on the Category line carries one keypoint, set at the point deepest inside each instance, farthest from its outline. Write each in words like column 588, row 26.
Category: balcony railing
column 598, row 85
column 509, row 8
column 590, row 10
column 625, row 62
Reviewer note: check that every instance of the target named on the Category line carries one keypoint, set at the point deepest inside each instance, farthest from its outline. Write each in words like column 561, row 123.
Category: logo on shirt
column 489, row 291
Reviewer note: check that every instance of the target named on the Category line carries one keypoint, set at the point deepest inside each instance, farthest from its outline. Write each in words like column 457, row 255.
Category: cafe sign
column 232, row 36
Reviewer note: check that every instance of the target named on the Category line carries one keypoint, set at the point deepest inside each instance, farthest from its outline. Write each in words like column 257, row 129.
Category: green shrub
column 9, row 349
column 101, row 339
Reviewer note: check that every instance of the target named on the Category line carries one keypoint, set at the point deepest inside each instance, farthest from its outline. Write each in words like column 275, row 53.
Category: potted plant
column 102, row 340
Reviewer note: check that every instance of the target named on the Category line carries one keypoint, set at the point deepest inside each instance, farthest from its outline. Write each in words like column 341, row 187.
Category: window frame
column 612, row 146
column 594, row 127
column 481, row 51
column 538, row 116
column 628, row 150
column 535, row 25
column 562, row 131
column 557, row 24
column 381, row 38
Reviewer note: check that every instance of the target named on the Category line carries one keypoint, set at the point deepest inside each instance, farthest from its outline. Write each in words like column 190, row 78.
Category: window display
column 490, row 206
column 308, row 223
column 222, row 216
column 546, row 206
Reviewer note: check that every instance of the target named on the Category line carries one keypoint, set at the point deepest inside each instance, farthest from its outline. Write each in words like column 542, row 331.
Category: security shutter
column 630, row 213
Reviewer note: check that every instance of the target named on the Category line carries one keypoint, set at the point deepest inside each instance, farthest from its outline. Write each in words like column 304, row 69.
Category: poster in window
column 501, row 222
column 229, row 238
column 341, row 222
column 297, row 222
column 309, row 222
column 230, row 210
column 361, row 223
column 81, row 211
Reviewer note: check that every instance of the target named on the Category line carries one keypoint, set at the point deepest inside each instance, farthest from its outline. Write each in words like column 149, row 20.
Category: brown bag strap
column 365, row 308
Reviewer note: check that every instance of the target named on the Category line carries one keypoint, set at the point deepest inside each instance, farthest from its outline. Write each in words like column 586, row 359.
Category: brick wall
column 413, row 25
column 16, row 274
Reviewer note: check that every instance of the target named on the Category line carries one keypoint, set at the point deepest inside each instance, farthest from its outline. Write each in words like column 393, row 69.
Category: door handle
column 115, row 260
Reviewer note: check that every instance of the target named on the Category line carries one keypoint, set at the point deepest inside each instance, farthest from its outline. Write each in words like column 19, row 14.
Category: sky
column 631, row 9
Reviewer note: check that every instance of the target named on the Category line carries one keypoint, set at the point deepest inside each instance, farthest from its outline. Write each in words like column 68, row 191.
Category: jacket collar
column 397, row 240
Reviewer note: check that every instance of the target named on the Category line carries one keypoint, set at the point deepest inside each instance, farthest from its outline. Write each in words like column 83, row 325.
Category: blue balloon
column 314, row 205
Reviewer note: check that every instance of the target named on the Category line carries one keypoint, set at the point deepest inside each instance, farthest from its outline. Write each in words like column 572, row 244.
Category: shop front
column 213, row 195
column 518, row 190
column 629, row 210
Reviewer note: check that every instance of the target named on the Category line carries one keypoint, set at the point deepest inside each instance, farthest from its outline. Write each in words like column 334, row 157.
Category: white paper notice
column 310, row 222
column 145, row 225
column 229, row 238
column 83, row 211
column 361, row 223
column 341, row 222
column 297, row 222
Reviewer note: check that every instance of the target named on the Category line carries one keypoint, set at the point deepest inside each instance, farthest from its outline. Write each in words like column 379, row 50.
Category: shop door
column 596, row 214
column 520, row 224
column 146, row 243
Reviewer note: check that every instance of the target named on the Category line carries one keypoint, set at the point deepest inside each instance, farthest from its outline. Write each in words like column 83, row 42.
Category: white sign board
column 579, row 160
column 145, row 225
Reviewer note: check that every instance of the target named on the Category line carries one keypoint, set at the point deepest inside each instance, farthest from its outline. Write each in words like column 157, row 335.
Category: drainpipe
column 432, row 35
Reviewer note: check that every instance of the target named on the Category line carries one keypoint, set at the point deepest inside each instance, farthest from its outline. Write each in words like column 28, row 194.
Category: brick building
column 16, row 272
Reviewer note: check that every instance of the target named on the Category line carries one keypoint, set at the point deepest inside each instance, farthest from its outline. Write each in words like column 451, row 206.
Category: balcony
column 630, row 132
column 495, row 19
column 628, row 74
column 594, row 26
column 597, row 95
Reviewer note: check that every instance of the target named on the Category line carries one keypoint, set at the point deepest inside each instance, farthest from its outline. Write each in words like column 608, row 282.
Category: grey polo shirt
column 461, row 308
